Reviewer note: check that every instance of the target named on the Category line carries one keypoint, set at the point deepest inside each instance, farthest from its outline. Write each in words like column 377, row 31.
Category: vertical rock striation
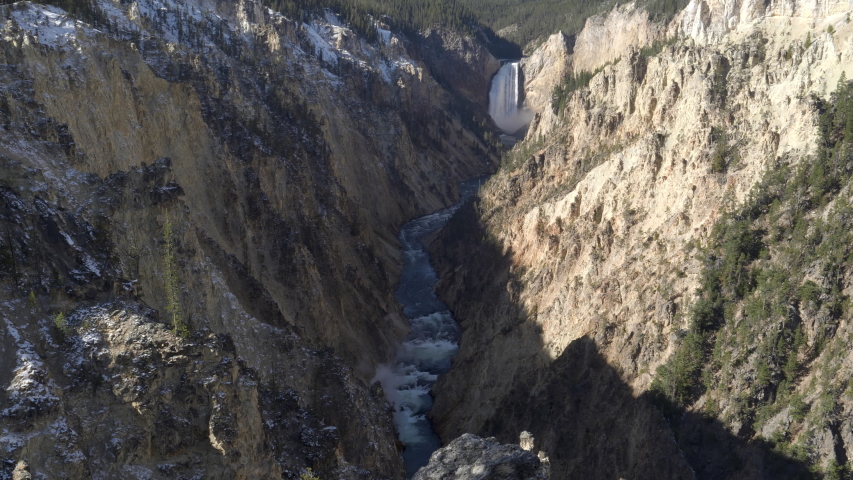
column 284, row 155
column 574, row 274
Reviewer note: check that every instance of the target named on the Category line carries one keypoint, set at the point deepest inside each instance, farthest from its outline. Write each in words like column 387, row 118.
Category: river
column 433, row 341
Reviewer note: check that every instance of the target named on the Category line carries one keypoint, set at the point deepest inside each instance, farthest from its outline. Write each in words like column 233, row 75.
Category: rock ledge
column 470, row 457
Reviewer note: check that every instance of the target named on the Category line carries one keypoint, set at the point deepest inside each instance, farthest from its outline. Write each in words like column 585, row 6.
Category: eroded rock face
column 714, row 21
column 284, row 156
column 114, row 393
column 604, row 39
column 544, row 69
column 607, row 37
column 461, row 62
column 124, row 396
column 581, row 252
column 470, row 457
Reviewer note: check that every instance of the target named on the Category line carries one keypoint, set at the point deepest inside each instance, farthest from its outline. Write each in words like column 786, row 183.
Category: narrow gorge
column 200, row 203
column 236, row 238
column 430, row 345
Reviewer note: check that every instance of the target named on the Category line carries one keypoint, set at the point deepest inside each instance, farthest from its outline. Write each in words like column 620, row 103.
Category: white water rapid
column 504, row 99
column 429, row 347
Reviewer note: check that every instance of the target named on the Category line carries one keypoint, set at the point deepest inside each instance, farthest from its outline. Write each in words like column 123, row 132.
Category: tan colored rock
column 604, row 39
column 607, row 37
column 585, row 258
column 544, row 69
column 717, row 21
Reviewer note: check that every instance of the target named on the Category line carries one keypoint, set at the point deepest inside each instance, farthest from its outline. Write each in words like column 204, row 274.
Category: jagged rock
column 581, row 253
column 604, row 39
column 714, row 21
column 608, row 36
column 285, row 154
column 22, row 471
column 544, row 69
column 470, row 457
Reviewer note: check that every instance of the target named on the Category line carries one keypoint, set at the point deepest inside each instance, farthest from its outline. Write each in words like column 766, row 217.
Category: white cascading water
column 504, row 99
column 433, row 341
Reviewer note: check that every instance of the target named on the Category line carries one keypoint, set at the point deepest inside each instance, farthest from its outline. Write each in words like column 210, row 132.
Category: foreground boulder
column 472, row 457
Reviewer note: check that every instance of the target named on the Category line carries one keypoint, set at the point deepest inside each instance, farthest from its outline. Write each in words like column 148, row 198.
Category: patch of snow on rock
column 50, row 25
column 321, row 45
column 29, row 389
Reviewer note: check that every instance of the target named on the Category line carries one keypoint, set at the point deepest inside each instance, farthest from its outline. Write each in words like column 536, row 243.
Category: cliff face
column 717, row 22
column 220, row 164
column 544, row 69
column 577, row 279
column 460, row 62
column 604, row 39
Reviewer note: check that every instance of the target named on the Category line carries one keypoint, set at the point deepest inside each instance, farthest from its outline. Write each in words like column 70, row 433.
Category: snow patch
column 68, row 239
column 321, row 45
column 91, row 265
column 30, row 389
column 385, row 35
column 52, row 26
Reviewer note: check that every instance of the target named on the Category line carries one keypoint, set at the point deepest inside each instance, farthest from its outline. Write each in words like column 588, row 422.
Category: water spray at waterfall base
column 504, row 100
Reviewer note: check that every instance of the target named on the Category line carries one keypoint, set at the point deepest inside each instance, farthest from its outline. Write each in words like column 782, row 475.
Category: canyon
column 199, row 216
column 200, row 251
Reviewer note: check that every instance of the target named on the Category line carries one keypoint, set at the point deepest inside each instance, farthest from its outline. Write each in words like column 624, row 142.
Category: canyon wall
column 199, row 207
column 574, row 276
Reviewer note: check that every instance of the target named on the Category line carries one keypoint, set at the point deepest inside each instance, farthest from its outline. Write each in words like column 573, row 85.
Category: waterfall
column 504, row 99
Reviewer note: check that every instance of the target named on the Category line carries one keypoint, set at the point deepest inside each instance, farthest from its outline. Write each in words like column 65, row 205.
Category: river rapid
column 433, row 341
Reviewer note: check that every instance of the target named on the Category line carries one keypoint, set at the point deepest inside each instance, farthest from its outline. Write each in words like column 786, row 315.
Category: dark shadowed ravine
column 433, row 341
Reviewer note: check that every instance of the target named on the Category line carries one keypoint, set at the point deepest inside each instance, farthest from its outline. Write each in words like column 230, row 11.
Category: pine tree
column 170, row 276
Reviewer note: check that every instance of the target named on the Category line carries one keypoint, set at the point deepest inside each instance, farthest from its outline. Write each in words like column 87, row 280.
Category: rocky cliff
column 461, row 62
column 604, row 39
column 198, row 216
column 575, row 276
column 544, row 69
column 471, row 457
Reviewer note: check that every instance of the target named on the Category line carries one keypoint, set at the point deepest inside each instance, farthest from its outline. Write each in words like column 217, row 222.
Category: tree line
column 520, row 22
column 401, row 15
column 526, row 21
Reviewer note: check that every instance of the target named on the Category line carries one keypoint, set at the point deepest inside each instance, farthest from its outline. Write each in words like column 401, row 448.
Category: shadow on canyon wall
column 578, row 408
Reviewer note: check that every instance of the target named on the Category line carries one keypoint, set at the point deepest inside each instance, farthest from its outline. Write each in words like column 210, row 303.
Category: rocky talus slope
column 623, row 294
column 198, row 206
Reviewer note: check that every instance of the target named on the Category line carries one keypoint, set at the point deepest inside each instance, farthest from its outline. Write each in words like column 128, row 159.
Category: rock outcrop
column 461, row 62
column 132, row 392
column 715, row 22
column 470, row 457
column 607, row 37
column 604, row 39
column 544, row 69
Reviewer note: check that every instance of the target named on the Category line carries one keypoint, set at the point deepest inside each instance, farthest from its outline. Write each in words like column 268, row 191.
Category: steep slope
column 577, row 280
column 218, row 167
